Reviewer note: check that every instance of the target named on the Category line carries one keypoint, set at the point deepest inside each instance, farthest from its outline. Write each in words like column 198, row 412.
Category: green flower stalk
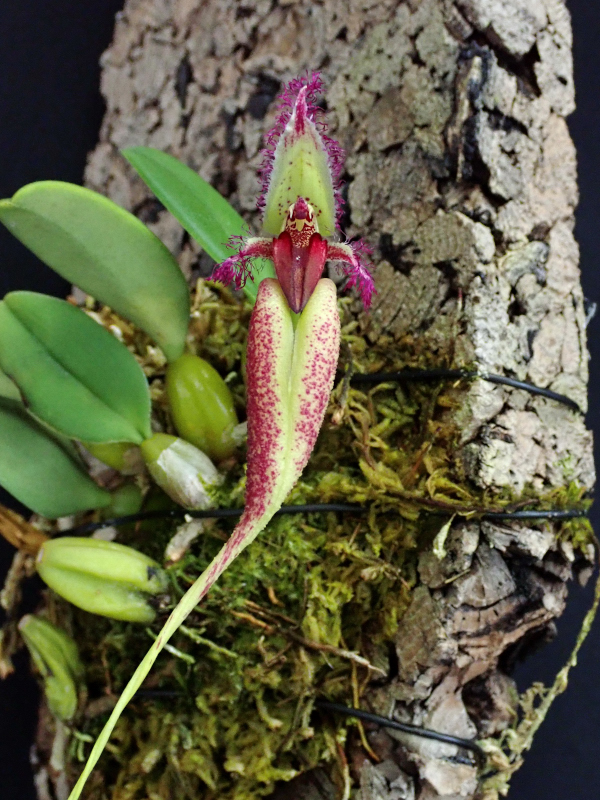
column 56, row 658
column 104, row 578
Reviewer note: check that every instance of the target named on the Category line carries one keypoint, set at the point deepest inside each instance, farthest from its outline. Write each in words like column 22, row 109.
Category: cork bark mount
column 461, row 175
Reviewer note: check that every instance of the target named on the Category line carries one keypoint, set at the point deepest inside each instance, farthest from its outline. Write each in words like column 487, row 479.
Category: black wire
column 157, row 694
column 227, row 513
column 440, row 372
column 209, row 513
column 566, row 513
column 405, row 727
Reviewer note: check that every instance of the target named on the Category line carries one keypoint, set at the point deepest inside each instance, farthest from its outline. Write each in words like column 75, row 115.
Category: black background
column 50, row 113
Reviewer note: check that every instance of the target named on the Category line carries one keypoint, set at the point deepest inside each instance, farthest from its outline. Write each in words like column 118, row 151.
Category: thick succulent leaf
column 203, row 212
column 72, row 373
column 285, row 413
column 10, row 395
column 36, row 470
column 107, row 252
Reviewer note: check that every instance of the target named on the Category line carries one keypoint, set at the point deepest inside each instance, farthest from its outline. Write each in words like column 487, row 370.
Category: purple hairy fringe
column 335, row 153
column 236, row 269
column 358, row 271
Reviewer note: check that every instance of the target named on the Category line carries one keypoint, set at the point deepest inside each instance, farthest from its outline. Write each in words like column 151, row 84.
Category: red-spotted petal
column 290, row 377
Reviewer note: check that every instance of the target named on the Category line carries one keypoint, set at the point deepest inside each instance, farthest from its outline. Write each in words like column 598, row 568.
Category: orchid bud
column 185, row 473
column 102, row 577
column 55, row 655
column 201, row 406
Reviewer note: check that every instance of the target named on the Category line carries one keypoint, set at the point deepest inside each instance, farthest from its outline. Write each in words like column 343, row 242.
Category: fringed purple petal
column 335, row 153
column 353, row 261
column 237, row 269
column 234, row 271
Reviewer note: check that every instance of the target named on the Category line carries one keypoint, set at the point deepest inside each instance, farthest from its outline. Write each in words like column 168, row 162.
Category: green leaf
column 10, row 396
column 36, row 470
column 8, row 389
column 107, row 252
column 71, row 372
column 202, row 211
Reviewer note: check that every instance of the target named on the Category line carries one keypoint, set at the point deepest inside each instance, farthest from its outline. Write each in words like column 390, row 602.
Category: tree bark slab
column 462, row 176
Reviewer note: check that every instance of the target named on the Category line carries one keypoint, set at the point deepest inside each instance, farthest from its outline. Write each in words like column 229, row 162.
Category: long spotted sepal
column 290, row 377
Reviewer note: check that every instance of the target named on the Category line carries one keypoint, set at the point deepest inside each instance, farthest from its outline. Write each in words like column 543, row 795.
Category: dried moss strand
column 505, row 758
column 336, row 651
column 460, row 374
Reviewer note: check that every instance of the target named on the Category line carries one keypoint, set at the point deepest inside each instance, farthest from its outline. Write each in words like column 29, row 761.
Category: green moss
column 316, row 597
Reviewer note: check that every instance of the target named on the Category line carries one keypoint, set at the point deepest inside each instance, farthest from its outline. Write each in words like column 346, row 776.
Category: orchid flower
column 293, row 338
column 301, row 204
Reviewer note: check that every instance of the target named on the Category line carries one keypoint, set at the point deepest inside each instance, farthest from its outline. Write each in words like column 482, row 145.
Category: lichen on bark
column 461, row 175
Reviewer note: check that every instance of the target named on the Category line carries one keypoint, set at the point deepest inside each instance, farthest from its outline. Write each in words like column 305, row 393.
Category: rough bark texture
column 461, row 175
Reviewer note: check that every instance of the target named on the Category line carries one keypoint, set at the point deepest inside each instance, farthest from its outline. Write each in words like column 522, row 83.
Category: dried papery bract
column 291, row 360
column 185, row 473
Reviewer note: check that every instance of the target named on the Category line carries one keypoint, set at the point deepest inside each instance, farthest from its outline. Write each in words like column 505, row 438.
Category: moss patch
column 309, row 610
